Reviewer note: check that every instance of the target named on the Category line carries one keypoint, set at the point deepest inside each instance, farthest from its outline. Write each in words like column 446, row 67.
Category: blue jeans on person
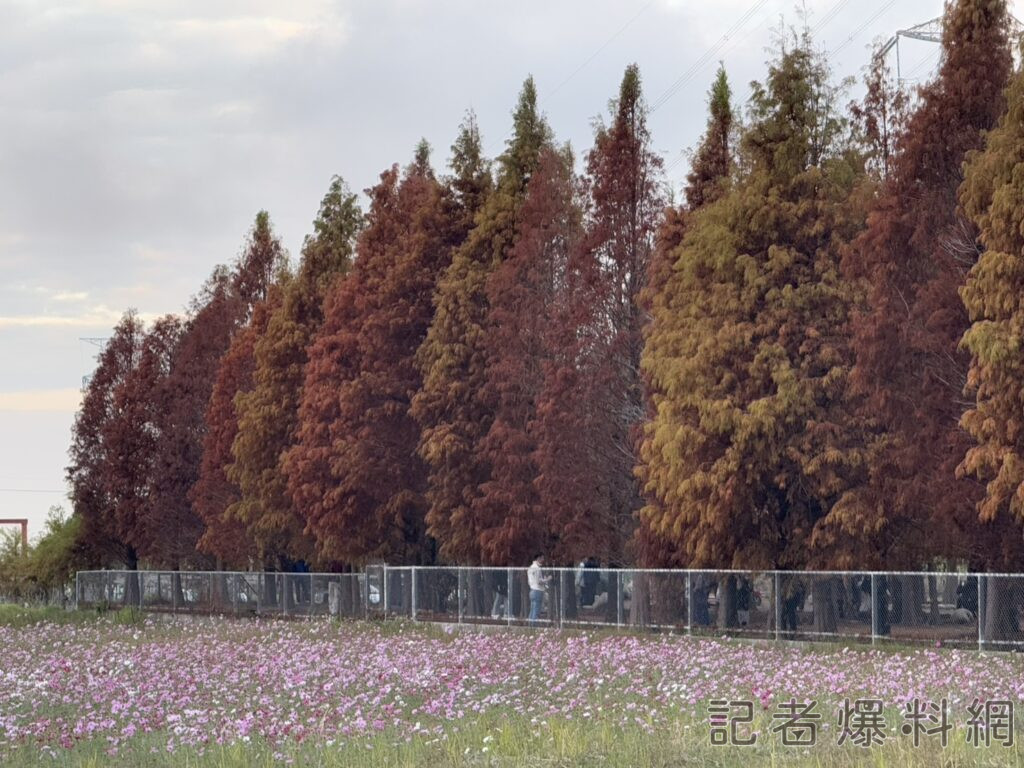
column 536, row 603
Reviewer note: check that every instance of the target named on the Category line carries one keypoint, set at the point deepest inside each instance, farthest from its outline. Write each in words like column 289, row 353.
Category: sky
column 139, row 139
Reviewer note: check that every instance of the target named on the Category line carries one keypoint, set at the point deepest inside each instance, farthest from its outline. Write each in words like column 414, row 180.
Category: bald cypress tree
column 993, row 197
column 268, row 413
column 450, row 407
column 354, row 470
column 522, row 293
column 592, row 401
column 215, row 496
column 909, row 372
column 94, row 493
column 747, row 351
column 236, row 314
column 713, row 158
column 705, row 183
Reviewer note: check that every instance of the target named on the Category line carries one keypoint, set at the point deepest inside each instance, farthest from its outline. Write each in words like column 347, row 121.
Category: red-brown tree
column 92, row 490
column 450, row 407
column 522, row 293
column 910, row 374
column 354, row 469
column 593, row 400
column 268, row 413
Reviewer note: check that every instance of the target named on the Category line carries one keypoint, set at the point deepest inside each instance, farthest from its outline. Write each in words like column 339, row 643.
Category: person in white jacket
column 538, row 584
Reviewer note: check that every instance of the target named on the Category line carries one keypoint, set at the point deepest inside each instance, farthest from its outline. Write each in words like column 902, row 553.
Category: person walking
column 538, row 584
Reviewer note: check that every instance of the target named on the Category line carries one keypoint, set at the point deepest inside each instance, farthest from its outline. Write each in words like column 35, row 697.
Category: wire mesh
column 946, row 608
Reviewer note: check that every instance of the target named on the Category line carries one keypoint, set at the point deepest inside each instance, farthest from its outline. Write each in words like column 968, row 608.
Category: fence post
column 174, row 592
column 234, row 595
column 689, row 604
column 561, row 595
column 142, row 587
column 508, row 595
column 284, row 596
column 384, row 589
column 414, row 593
column 874, row 608
column 777, row 599
column 77, row 574
column 618, row 598
column 982, row 600
column 458, row 593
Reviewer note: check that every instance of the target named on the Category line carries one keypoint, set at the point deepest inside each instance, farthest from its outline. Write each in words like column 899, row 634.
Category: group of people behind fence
column 730, row 599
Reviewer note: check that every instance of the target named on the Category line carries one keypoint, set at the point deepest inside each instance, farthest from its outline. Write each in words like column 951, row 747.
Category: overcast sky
column 140, row 138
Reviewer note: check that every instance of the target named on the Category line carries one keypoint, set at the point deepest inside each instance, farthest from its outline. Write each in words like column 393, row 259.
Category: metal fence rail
column 935, row 608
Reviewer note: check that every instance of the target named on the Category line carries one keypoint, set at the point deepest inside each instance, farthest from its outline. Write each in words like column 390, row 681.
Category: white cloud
column 69, row 296
column 95, row 317
column 62, row 400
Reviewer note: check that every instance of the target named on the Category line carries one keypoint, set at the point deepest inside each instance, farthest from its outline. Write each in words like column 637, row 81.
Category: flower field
column 209, row 691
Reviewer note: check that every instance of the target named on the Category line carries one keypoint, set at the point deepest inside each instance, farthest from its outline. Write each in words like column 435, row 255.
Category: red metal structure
column 23, row 522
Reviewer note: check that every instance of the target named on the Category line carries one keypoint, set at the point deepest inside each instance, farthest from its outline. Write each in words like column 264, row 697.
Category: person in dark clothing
column 793, row 595
column 967, row 595
column 588, row 582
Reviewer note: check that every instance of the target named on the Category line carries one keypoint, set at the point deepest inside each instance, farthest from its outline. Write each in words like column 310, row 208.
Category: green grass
column 22, row 616
column 509, row 743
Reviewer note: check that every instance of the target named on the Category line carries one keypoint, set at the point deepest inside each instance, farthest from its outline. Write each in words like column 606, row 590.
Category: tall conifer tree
column 593, row 400
column 450, row 407
column 522, row 292
column 992, row 195
column 92, row 456
column 268, row 414
column 747, row 352
column 354, row 470
column 705, row 183
column 909, row 375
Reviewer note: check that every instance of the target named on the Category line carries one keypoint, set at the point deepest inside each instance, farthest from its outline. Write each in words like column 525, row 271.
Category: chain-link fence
column 240, row 593
column 939, row 608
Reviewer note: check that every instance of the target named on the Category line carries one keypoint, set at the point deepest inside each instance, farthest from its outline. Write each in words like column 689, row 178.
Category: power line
column 708, row 55
column 825, row 20
column 926, row 61
column 864, row 26
column 596, row 53
column 831, row 14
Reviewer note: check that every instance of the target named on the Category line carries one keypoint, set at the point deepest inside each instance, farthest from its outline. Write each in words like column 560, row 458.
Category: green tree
column 746, row 354
column 707, row 181
column 992, row 195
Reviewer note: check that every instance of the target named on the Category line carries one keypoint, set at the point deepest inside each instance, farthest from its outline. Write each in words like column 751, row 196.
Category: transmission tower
column 97, row 341
column 931, row 32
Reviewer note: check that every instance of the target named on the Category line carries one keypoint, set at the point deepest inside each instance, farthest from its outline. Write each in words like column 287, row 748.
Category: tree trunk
column 933, row 600
column 823, row 595
column 477, row 605
column 177, row 592
column 727, row 618
column 699, row 600
column 569, row 606
column 611, row 609
column 911, row 596
column 640, row 601
column 880, row 606
column 269, row 590
column 406, row 581
column 668, row 599
column 1001, row 622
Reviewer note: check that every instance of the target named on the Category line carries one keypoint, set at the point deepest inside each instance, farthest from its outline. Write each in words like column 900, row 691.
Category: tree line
column 812, row 360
